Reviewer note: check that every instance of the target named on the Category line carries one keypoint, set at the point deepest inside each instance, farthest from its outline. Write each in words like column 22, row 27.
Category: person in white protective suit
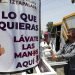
column 47, row 47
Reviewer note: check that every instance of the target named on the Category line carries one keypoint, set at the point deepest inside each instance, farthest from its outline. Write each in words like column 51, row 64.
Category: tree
column 51, row 29
column 49, row 26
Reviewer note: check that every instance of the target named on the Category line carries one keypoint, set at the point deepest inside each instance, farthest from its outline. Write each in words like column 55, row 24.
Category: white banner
column 19, row 35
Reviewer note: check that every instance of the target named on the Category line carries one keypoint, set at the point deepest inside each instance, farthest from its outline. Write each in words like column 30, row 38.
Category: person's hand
column 54, row 57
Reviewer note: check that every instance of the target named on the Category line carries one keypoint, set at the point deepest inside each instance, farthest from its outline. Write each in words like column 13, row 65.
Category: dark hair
column 71, row 29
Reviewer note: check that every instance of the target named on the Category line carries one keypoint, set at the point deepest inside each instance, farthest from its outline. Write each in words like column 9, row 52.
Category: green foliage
column 49, row 26
column 51, row 29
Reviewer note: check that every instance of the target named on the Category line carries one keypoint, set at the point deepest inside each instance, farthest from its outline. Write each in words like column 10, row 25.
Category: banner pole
column 39, row 25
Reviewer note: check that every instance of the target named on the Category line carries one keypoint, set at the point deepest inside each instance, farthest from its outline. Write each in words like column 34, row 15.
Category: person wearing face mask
column 68, row 53
column 46, row 46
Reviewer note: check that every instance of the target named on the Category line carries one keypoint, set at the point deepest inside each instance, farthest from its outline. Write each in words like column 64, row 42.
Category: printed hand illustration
column 2, row 51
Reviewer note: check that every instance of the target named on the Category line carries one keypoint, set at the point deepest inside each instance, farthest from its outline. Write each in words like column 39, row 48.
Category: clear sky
column 54, row 11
